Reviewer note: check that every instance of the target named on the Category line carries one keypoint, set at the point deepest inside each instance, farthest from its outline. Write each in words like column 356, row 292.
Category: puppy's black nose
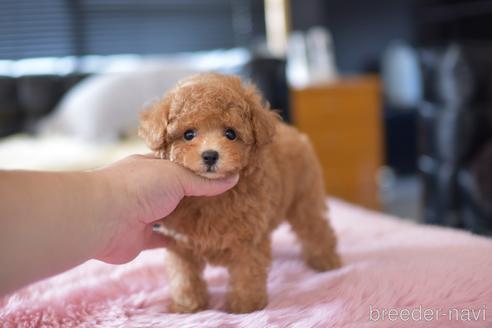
column 210, row 157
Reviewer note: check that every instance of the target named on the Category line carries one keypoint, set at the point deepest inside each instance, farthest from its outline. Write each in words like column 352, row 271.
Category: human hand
column 139, row 191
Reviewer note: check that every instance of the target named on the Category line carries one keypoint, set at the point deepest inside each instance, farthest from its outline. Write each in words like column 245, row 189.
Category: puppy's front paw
column 189, row 307
column 236, row 305
column 324, row 262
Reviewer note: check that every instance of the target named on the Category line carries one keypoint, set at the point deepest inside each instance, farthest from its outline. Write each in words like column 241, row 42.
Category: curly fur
column 280, row 178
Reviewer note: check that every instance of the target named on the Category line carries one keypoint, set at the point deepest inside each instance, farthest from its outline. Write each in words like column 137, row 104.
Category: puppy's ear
column 263, row 120
column 153, row 124
column 264, row 125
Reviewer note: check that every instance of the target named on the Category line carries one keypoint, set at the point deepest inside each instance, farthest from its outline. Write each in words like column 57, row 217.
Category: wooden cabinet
column 344, row 122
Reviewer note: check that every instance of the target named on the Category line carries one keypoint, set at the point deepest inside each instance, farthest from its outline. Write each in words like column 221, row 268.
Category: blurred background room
column 396, row 95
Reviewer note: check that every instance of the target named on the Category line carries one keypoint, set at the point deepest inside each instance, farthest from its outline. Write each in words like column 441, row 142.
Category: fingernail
column 233, row 179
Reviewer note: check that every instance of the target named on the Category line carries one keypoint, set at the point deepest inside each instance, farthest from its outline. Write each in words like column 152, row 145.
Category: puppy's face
column 210, row 124
column 212, row 137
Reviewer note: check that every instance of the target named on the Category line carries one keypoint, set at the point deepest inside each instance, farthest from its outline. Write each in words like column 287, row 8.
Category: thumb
column 195, row 185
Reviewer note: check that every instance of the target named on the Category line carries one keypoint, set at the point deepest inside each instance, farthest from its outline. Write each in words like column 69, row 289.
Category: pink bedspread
column 396, row 274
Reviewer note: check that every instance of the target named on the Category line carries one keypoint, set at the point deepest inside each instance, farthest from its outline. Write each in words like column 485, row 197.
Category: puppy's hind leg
column 307, row 219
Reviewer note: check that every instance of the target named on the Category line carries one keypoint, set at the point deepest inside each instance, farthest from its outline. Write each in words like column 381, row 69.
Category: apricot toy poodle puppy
column 216, row 126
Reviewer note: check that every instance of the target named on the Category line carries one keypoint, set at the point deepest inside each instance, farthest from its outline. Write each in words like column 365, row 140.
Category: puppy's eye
column 189, row 135
column 230, row 134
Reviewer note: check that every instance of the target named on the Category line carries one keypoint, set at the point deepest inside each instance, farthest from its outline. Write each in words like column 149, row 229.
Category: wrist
column 107, row 197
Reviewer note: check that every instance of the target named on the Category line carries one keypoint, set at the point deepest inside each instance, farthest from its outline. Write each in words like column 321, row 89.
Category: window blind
column 33, row 28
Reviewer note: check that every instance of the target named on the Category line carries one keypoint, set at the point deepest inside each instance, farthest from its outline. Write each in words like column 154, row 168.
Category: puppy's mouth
column 213, row 172
column 210, row 172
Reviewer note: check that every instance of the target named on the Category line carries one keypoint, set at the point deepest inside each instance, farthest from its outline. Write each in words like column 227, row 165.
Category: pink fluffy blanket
column 395, row 274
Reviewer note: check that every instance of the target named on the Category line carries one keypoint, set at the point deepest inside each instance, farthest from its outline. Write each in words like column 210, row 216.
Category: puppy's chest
column 207, row 228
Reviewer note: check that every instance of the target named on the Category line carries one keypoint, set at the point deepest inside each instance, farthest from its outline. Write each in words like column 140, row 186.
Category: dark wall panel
column 362, row 29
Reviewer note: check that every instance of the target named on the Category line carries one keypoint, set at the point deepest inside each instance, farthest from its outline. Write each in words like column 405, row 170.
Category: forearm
column 50, row 222
column 64, row 230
